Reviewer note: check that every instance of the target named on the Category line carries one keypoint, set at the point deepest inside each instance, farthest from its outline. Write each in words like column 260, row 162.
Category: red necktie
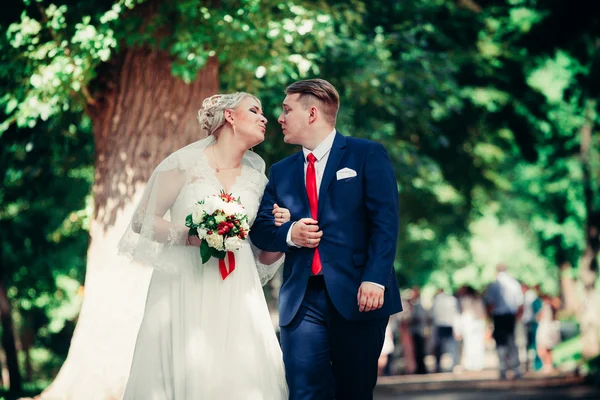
column 313, row 201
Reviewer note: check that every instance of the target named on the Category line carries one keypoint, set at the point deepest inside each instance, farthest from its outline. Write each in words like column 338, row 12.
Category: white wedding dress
column 203, row 337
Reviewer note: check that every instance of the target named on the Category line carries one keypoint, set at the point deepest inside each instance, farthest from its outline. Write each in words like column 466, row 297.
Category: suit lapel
column 299, row 181
column 335, row 156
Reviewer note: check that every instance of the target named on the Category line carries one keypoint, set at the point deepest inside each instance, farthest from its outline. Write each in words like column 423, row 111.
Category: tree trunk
column 8, row 340
column 146, row 114
column 588, row 268
column 568, row 290
column 27, row 338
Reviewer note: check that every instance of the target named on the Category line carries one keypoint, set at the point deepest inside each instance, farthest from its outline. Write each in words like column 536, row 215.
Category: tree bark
column 143, row 115
column 568, row 289
column 27, row 338
column 8, row 340
column 588, row 268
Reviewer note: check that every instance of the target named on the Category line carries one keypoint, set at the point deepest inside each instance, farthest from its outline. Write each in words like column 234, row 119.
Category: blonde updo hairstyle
column 212, row 114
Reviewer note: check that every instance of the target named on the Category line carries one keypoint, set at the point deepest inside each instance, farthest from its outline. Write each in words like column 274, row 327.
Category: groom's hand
column 370, row 297
column 305, row 233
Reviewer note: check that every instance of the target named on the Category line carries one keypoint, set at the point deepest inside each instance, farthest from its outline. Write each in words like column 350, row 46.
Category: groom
column 339, row 285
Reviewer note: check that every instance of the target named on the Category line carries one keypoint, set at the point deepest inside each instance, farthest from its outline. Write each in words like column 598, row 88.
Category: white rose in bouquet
column 233, row 243
column 215, row 241
column 202, row 233
column 232, row 209
column 212, row 204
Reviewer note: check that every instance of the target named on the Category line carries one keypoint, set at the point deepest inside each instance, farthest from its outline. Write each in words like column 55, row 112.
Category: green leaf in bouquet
column 188, row 221
column 205, row 251
column 217, row 254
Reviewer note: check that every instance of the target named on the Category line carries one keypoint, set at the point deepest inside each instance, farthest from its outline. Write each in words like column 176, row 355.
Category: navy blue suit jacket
column 359, row 220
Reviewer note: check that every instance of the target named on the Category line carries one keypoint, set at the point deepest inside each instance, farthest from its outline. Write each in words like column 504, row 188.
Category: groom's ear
column 312, row 114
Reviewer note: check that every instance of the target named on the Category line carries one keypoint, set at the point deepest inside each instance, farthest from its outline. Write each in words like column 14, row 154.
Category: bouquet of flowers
column 222, row 223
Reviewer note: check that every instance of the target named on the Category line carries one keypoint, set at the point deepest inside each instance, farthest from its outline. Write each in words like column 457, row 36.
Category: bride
column 203, row 336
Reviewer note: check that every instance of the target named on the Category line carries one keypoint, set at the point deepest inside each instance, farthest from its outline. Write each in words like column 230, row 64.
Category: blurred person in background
column 471, row 328
column 394, row 343
column 387, row 351
column 530, row 295
column 548, row 331
column 504, row 299
column 417, row 323
column 407, row 345
column 445, row 316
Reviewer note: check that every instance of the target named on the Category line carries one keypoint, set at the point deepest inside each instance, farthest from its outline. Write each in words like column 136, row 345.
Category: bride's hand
column 282, row 215
column 193, row 241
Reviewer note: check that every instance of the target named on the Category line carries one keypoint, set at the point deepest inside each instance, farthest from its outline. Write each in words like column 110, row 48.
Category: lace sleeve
column 265, row 272
column 150, row 219
column 152, row 236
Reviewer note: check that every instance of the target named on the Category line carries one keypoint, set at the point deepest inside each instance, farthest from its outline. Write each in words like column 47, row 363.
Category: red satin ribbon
column 223, row 267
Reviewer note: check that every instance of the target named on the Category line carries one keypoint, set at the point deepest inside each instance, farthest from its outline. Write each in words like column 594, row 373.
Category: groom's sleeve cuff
column 373, row 283
column 289, row 237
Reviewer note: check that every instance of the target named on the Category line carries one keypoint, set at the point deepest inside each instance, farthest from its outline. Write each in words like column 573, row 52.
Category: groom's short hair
column 320, row 91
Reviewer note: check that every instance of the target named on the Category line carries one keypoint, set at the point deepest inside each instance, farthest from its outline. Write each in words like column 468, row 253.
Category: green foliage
column 51, row 57
column 44, row 218
column 549, row 190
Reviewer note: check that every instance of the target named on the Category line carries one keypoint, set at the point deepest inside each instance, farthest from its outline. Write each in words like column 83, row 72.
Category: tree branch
column 470, row 4
column 84, row 89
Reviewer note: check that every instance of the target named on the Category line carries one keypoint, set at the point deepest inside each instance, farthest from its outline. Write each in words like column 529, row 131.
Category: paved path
column 563, row 393
column 484, row 386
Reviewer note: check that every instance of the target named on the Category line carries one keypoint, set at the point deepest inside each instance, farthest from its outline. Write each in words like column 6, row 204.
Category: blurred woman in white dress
column 204, row 336
column 472, row 329
column 548, row 332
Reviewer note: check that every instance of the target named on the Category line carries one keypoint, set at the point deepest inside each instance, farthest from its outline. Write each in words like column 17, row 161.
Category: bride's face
column 250, row 123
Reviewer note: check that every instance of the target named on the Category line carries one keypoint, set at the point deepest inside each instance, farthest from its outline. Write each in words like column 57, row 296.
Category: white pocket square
column 345, row 173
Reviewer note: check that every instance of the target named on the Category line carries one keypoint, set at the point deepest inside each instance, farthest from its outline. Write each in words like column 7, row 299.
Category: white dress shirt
column 444, row 310
column 504, row 295
column 321, row 153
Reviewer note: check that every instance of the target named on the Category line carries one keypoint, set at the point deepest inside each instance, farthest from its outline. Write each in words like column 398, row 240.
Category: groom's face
column 294, row 120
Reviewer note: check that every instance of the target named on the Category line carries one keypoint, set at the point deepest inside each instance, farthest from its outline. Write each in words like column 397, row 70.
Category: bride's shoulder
column 255, row 179
column 254, row 175
column 183, row 159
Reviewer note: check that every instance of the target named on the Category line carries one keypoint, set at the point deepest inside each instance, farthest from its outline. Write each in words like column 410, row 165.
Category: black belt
column 316, row 282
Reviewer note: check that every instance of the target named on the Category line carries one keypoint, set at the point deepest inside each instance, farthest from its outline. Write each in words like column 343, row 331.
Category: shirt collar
column 323, row 148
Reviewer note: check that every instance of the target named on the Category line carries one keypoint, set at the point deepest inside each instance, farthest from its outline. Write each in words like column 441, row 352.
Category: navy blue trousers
column 326, row 356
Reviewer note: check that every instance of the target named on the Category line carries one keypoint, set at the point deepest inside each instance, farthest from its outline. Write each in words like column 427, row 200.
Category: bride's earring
column 234, row 131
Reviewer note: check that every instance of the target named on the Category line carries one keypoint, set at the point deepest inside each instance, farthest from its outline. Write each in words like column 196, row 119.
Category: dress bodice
column 202, row 182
